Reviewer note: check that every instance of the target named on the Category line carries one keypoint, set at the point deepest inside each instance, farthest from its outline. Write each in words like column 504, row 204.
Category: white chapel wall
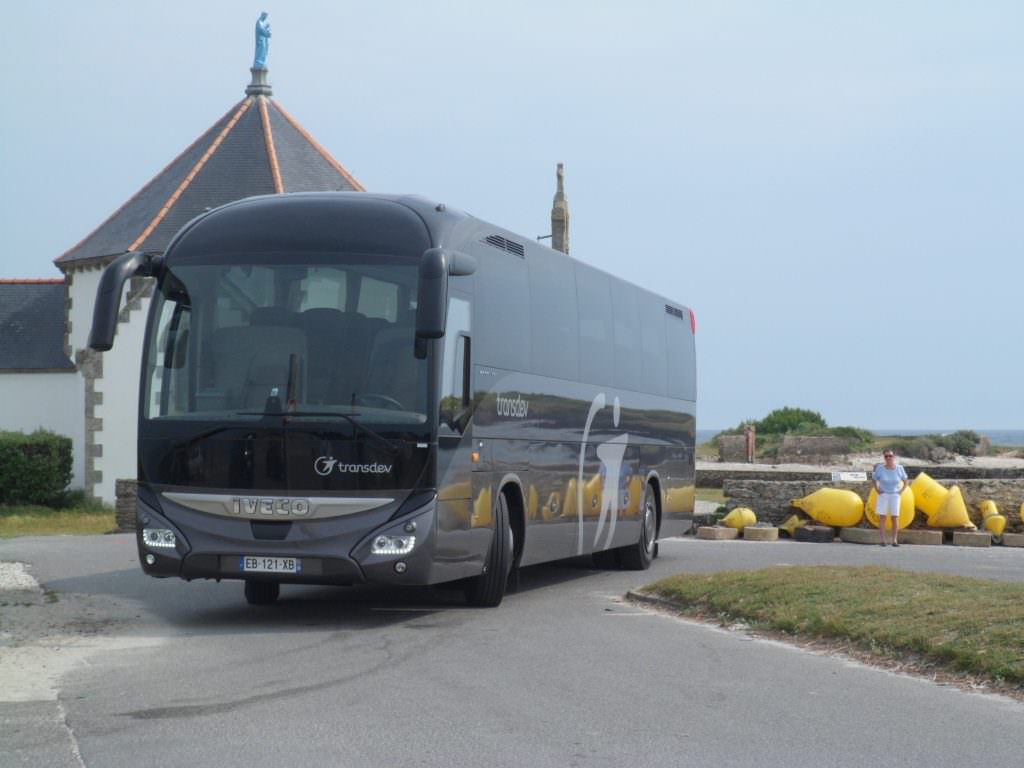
column 51, row 401
column 83, row 298
column 120, row 407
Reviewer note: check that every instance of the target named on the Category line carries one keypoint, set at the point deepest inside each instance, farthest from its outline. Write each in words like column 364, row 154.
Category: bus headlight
column 159, row 538
column 392, row 545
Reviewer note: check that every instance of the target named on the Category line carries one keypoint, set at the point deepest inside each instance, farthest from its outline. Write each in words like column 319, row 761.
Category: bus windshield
column 237, row 338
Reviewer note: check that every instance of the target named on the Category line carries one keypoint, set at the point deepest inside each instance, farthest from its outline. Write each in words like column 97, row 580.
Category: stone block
column 920, row 536
column 1013, row 539
column 761, row 533
column 716, row 533
column 972, row 539
column 126, row 491
column 859, row 535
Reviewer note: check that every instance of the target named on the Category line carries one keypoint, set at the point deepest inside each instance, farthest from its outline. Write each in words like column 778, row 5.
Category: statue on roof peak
column 262, row 42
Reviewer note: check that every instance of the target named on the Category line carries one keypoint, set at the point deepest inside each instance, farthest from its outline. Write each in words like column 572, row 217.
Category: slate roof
column 256, row 148
column 32, row 325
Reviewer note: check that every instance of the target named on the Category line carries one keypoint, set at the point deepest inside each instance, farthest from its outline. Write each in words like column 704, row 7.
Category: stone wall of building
column 771, row 499
column 811, row 450
column 709, row 476
column 732, row 448
column 125, row 504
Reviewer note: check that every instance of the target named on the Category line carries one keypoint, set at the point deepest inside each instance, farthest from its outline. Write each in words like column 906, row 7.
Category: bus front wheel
column 487, row 589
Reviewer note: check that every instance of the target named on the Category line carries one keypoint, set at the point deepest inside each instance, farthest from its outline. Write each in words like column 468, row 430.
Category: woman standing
column 890, row 479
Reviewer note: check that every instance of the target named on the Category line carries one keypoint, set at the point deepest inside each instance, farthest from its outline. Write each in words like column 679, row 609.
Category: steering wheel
column 375, row 400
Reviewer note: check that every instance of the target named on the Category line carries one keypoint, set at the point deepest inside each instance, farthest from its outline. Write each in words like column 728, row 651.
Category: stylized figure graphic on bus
column 611, row 453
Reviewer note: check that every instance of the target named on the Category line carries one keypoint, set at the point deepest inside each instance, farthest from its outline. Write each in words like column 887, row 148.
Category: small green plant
column 35, row 468
column 785, row 420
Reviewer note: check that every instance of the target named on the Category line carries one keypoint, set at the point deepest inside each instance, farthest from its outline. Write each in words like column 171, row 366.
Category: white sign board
column 849, row 477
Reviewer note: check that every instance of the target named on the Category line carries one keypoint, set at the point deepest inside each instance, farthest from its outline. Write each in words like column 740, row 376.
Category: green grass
column 42, row 521
column 963, row 625
column 717, row 495
column 707, row 451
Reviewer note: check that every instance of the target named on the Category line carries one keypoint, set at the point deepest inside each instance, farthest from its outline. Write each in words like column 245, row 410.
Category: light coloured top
column 889, row 479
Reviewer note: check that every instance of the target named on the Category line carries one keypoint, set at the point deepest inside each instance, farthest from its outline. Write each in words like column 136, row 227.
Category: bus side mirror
column 432, row 295
column 108, row 294
column 436, row 265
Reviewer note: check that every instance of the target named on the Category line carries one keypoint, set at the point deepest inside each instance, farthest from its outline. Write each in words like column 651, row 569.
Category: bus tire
column 639, row 556
column 261, row 592
column 487, row 589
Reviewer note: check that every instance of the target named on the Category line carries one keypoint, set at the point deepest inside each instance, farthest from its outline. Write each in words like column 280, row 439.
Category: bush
column 858, row 438
column 912, row 447
column 963, row 442
column 35, row 468
column 924, row 446
column 784, row 420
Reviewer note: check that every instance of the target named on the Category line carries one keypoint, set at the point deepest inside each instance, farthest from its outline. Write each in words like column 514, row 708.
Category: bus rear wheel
column 639, row 556
column 261, row 592
column 487, row 589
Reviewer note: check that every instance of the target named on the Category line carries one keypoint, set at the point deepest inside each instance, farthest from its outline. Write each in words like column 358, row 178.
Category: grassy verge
column 707, row 451
column 42, row 521
column 711, row 494
column 962, row 625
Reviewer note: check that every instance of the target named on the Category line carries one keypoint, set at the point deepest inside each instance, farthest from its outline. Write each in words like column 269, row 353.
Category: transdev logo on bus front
column 513, row 407
column 327, row 464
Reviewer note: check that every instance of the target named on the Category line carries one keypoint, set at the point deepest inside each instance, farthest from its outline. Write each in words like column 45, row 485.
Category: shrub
column 35, row 468
column 912, row 447
column 962, row 442
column 858, row 438
column 783, row 420
column 924, row 446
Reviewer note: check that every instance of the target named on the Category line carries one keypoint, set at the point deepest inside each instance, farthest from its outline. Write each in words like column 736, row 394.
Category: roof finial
column 560, row 215
column 259, row 85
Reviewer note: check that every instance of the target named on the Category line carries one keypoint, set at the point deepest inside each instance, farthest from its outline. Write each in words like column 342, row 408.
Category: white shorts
column 888, row 504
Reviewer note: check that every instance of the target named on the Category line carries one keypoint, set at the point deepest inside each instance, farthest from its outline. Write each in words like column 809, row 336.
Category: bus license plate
column 271, row 565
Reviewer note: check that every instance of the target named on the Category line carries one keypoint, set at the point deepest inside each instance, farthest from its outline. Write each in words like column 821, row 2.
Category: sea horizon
column 997, row 436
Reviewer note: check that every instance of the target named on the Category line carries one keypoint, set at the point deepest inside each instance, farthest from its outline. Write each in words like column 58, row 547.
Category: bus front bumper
column 397, row 552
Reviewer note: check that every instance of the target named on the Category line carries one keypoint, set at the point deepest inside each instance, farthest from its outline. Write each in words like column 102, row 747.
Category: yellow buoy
column 928, row 494
column 740, row 518
column 906, row 508
column 791, row 523
column 988, row 508
column 952, row 513
column 993, row 522
column 833, row 506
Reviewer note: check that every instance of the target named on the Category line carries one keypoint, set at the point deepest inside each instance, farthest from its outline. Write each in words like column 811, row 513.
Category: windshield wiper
column 210, row 433
column 389, row 444
column 357, row 425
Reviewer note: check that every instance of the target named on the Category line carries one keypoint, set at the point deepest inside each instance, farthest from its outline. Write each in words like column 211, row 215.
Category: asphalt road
column 110, row 668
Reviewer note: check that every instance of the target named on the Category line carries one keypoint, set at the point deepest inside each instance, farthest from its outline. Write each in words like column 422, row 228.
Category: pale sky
column 837, row 189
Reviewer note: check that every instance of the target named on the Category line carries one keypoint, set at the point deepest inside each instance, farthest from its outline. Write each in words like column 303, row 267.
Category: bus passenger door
column 455, row 409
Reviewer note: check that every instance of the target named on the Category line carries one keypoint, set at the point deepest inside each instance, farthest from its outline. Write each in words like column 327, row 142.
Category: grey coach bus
column 344, row 388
